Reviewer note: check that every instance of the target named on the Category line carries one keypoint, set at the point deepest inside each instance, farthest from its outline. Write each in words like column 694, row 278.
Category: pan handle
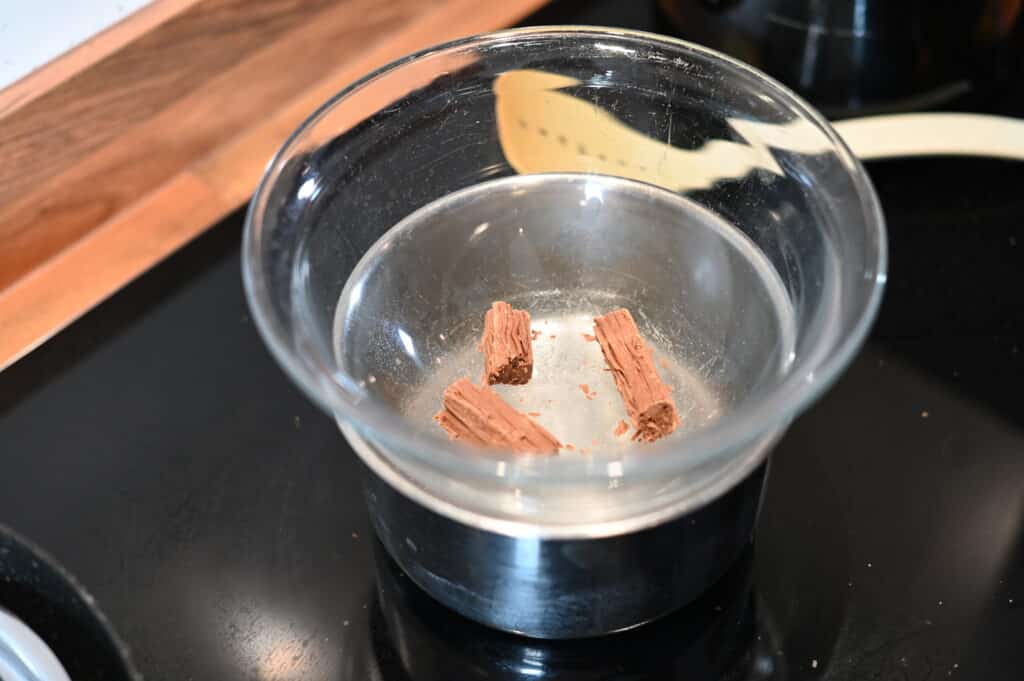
column 933, row 134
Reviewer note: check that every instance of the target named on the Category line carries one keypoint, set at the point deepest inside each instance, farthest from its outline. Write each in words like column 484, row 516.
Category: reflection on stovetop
column 725, row 634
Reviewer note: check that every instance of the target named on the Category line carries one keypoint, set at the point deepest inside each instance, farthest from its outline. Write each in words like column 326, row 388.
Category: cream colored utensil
column 544, row 128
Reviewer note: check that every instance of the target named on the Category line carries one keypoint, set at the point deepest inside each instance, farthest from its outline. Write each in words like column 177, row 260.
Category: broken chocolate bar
column 648, row 400
column 507, row 345
column 478, row 416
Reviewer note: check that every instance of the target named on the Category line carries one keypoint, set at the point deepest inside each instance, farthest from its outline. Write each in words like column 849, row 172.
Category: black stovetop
column 159, row 453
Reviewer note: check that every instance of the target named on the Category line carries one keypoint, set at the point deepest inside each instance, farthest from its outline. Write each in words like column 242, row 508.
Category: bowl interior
column 566, row 248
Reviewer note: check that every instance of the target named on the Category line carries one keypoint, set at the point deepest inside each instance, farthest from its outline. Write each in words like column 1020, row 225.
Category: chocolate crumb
column 535, row 334
column 589, row 338
column 534, row 414
column 620, row 428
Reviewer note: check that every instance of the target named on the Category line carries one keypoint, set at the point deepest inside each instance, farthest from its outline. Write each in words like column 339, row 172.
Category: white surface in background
column 34, row 32
column 23, row 655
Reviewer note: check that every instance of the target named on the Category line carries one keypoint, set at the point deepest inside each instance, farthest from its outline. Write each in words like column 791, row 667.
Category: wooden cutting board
column 123, row 150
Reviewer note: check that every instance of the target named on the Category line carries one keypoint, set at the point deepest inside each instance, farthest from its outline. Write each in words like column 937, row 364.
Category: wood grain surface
column 127, row 159
column 82, row 56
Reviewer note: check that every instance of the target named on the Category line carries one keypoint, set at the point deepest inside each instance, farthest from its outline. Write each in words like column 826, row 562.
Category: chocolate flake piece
column 648, row 400
column 620, row 428
column 457, row 430
column 478, row 416
column 507, row 346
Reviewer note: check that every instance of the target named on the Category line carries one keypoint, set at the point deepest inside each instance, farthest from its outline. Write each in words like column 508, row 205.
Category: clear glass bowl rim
column 378, row 423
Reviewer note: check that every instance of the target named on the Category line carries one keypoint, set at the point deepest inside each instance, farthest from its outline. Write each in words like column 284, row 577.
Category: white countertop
column 33, row 32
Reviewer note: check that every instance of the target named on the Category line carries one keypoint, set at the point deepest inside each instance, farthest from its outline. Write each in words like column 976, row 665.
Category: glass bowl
column 570, row 171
